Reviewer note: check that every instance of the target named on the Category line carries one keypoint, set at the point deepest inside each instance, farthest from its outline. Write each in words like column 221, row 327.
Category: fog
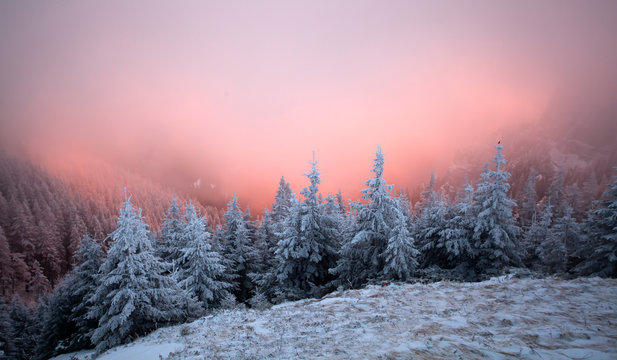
column 236, row 94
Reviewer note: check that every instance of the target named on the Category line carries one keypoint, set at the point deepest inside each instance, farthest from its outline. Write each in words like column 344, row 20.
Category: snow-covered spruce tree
column 400, row 255
column 362, row 258
column 495, row 234
column 535, row 236
column 7, row 332
column 601, row 259
column 56, row 328
column 82, row 281
column 452, row 244
column 170, row 246
column 201, row 270
column 6, row 265
column 134, row 296
column 430, row 221
column 238, row 250
column 568, row 229
column 530, row 198
column 308, row 247
column 283, row 201
column 265, row 246
column 551, row 251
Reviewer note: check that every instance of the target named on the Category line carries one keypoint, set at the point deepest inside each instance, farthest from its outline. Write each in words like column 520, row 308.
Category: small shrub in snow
column 229, row 302
column 259, row 301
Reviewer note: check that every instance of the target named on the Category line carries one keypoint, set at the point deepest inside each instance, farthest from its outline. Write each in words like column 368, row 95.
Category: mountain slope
column 503, row 318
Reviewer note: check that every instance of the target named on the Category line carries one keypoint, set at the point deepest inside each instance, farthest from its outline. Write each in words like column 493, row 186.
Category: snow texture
column 502, row 318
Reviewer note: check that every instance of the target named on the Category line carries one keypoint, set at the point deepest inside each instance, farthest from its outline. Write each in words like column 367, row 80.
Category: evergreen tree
column 238, row 250
column 430, row 223
column 169, row 248
column 133, row 296
column 6, row 266
column 530, row 198
column 551, row 250
column 308, row 248
column 602, row 257
column 535, row 236
column 265, row 246
column 201, row 271
column 39, row 285
column 453, row 239
column 495, row 234
column 362, row 258
column 400, row 255
column 8, row 350
column 25, row 329
column 83, row 284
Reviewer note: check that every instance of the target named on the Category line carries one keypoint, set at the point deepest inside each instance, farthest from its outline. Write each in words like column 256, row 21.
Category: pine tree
column 562, row 240
column 39, row 285
column 133, row 295
column 530, row 198
column 238, row 250
column 307, row 249
column 170, row 246
column 400, row 255
column 201, row 271
column 495, row 234
column 602, row 257
column 362, row 258
column 265, row 246
column 89, row 258
column 453, row 239
column 8, row 350
column 431, row 221
column 6, row 268
column 552, row 249
column 56, row 329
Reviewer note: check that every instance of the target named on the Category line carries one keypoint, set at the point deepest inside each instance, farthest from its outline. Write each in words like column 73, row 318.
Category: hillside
column 503, row 318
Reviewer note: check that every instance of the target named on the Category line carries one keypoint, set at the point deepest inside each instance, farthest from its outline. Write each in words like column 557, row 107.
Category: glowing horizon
column 239, row 94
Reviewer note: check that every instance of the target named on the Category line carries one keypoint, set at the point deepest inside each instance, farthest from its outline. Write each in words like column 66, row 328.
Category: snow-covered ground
column 503, row 318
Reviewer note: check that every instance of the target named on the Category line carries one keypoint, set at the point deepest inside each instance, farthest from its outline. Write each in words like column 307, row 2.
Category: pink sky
column 238, row 93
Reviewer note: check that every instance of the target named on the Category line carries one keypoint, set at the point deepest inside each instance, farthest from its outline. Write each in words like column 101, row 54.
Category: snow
column 503, row 318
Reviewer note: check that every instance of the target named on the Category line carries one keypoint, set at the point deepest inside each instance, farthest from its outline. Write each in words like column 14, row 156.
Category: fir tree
column 201, row 271
column 400, row 255
column 530, row 198
column 133, row 296
column 83, row 283
column 495, row 234
column 431, row 221
column 238, row 250
column 362, row 258
column 308, row 248
column 169, row 248
column 602, row 259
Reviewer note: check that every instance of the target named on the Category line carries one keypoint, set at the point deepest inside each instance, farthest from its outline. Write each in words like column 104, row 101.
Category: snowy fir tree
column 265, row 246
column 83, row 283
column 551, row 249
column 601, row 258
column 430, row 221
column 452, row 244
column 530, row 198
column 171, row 243
column 567, row 228
column 134, row 296
column 362, row 258
column 238, row 250
column 535, row 236
column 400, row 255
column 201, row 271
column 495, row 235
column 307, row 249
